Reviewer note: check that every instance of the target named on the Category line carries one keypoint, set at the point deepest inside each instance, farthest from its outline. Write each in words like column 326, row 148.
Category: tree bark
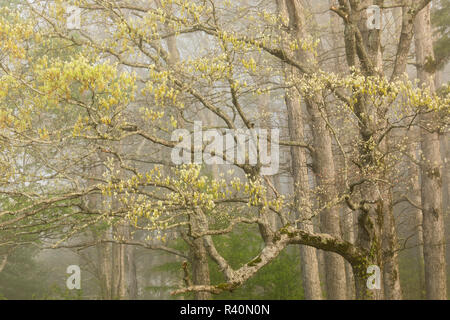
column 433, row 217
column 200, row 269
column 414, row 195
column 199, row 255
column 349, row 236
column 323, row 163
column 324, row 169
column 308, row 255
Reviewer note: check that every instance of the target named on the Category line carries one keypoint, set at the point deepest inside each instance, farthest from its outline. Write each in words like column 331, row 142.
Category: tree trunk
column 391, row 278
column 376, row 224
column 324, row 171
column 414, row 195
column 349, row 236
column 104, row 251
column 200, row 268
column 323, row 164
column 199, row 254
column 127, row 280
column 433, row 217
column 308, row 255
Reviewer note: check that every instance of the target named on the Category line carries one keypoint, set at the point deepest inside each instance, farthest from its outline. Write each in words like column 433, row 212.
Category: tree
column 158, row 67
column 431, row 168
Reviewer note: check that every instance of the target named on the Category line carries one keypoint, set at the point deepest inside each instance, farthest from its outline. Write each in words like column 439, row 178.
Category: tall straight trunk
column 117, row 268
column 308, row 255
column 104, row 250
column 431, row 168
column 324, row 170
column 125, row 279
column 268, row 119
column 349, row 236
column 105, row 267
column 391, row 277
column 414, row 195
column 105, row 271
column 323, row 162
column 336, row 28
column 128, row 279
